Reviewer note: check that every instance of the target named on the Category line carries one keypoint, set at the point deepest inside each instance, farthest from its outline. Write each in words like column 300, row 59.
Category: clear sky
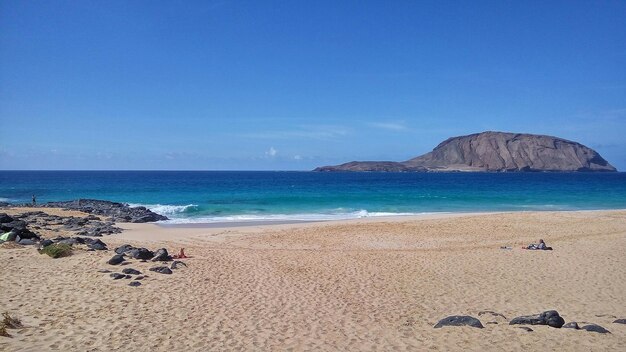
column 290, row 85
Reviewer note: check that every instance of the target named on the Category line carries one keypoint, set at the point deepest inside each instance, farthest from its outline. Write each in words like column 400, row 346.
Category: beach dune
column 354, row 285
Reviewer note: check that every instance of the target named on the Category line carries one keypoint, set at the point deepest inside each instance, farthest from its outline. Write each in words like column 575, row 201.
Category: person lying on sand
column 540, row 246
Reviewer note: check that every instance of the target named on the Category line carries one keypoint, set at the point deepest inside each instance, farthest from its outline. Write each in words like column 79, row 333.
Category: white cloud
column 392, row 126
column 271, row 152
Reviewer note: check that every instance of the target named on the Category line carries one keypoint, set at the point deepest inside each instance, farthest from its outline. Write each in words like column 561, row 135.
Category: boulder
column 97, row 245
column 595, row 328
column 117, row 276
column 620, row 321
column 141, row 253
column 550, row 318
column 131, row 271
column 123, row 249
column 176, row 264
column 26, row 242
column 459, row 320
column 117, row 259
column 161, row 255
column 4, row 217
column 46, row 243
column 134, row 283
column 161, row 270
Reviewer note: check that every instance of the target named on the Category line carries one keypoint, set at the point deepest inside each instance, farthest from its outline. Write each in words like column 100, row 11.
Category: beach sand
column 356, row 285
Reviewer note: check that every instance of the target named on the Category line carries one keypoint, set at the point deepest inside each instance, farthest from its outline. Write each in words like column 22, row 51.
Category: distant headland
column 493, row 152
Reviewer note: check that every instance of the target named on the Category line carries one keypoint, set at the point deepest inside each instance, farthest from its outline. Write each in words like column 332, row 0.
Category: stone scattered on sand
column 571, row 325
column 104, row 271
column 620, row 321
column 117, row 276
column 161, row 270
column 97, row 245
column 117, row 259
column 550, row 318
column 123, row 249
column 595, row 328
column 459, row 320
column 141, row 253
column 525, row 328
column 134, row 283
column 176, row 264
column 140, row 277
column 46, row 243
column 161, row 255
column 131, row 271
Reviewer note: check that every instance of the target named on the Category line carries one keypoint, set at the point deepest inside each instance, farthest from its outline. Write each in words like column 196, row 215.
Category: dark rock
column 118, row 211
column 459, row 320
column 97, row 245
column 26, row 242
column 104, row 271
column 140, row 277
column 571, row 325
column 117, row 276
column 123, row 249
column 525, row 328
column 141, row 253
column 128, row 277
column 595, row 328
column 134, row 283
column 494, row 151
column 177, row 263
column 550, row 318
column 4, row 217
column 18, row 227
column 161, row 270
column 131, row 271
column 117, row 259
column 161, row 255
column 46, row 243
column 620, row 321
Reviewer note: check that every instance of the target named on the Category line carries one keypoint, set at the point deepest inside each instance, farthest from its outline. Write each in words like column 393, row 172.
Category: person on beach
column 540, row 246
column 34, row 200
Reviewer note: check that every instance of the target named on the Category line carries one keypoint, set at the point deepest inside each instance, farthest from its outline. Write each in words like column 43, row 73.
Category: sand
column 353, row 286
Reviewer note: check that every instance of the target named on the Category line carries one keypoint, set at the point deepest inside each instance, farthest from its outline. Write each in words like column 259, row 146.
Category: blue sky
column 290, row 85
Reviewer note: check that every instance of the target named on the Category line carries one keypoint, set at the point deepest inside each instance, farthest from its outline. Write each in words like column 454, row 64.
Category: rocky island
column 493, row 152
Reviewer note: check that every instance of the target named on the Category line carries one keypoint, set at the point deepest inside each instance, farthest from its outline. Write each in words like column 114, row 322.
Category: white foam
column 284, row 217
column 166, row 209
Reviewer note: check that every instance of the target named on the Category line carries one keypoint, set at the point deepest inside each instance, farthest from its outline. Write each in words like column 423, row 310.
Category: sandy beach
column 358, row 285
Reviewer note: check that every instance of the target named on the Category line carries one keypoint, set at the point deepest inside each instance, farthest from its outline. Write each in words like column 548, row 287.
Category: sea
column 255, row 196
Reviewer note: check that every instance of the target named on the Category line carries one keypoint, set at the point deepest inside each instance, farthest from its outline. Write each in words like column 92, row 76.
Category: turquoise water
column 216, row 196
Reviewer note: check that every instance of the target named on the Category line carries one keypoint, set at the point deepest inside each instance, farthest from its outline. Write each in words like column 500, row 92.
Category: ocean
column 240, row 196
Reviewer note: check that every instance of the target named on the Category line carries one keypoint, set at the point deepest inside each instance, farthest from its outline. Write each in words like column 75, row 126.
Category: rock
column 118, row 211
column 141, row 253
column 161, row 255
column 134, row 283
column 46, row 243
column 104, row 271
column 128, row 277
column 176, row 264
column 123, row 249
column 131, row 271
column 494, row 151
column 140, row 277
column 525, row 328
column 26, row 242
column 117, row 276
column 117, row 259
column 4, row 217
column 571, row 325
column 620, row 321
column 161, row 270
column 595, row 328
column 98, row 245
column 459, row 320
column 550, row 318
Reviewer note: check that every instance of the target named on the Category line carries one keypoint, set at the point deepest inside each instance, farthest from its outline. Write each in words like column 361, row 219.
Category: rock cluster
column 129, row 252
column 116, row 212
column 493, row 151
column 90, row 225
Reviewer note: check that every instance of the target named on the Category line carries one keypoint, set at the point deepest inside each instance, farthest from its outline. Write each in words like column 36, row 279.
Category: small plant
column 57, row 250
column 10, row 322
